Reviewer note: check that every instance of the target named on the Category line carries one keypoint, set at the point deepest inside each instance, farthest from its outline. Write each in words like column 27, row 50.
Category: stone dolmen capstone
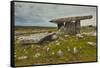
column 71, row 25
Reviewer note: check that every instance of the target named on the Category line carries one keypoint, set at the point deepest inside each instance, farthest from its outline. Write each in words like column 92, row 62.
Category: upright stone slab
column 70, row 28
column 77, row 24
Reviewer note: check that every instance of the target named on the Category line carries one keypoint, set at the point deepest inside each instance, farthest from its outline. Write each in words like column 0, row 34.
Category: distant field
column 71, row 48
column 24, row 30
column 33, row 28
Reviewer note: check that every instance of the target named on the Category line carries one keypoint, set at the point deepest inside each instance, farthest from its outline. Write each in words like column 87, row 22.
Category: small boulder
column 22, row 57
column 66, row 36
column 92, row 43
column 54, row 37
column 93, row 33
column 75, row 50
column 47, row 49
column 79, row 36
column 37, row 55
column 60, row 53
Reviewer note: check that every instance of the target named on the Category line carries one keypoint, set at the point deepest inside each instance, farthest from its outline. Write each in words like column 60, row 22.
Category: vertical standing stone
column 67, row 25
column 70, row 28
column 77, row 24
column 73, row 28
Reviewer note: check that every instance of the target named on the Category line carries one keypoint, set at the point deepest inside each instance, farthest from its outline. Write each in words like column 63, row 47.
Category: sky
column 39, row 14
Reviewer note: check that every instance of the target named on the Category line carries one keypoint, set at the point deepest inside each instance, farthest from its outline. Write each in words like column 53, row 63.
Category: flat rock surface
column 89, row 33
column 34, row 38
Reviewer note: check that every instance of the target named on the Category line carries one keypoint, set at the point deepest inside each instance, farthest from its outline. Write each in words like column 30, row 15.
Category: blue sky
column 36, row 14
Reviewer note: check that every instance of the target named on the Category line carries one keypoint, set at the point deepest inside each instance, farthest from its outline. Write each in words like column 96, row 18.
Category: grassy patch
column 46, row 53
column 66, row 45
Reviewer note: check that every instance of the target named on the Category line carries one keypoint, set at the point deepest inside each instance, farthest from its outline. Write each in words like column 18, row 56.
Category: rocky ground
column 65, row 49
column 56, row 48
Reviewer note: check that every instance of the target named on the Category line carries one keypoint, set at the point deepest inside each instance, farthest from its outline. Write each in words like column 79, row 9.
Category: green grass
column 86, row 52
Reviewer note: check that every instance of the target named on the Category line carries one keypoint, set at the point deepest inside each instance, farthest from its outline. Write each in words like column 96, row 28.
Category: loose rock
column 22, row 57
column 79, row 36
column 48, row 49
column 89, row 33
column 92, row 43
column 66, row 35
column 60, row 53
column 37, row 55
column 75, row 50
column 54, row 37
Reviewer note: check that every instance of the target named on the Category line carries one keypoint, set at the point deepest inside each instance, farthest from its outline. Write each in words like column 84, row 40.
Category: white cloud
column 47, row 12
